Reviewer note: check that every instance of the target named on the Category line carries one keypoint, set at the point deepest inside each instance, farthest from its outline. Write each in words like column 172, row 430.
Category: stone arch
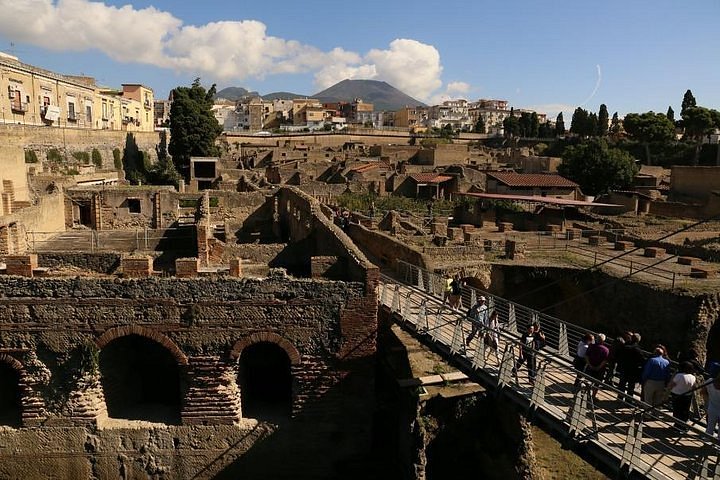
column 164, row 340
column 292, row 352
column 11, row 362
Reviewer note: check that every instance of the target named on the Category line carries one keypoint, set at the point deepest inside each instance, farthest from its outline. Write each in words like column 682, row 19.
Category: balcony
column 148, row 104
column 19, row 107
column 72, row 117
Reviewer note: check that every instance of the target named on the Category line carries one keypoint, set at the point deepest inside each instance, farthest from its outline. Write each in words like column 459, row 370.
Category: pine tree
column 559, row 125
column 688, row 101
column 579, row 122
column 603, row 119
column 615, row 124
column 670, row 114
column 479, row 125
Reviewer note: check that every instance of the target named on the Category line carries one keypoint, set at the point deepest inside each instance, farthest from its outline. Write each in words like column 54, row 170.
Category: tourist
column 691, row 357
column 680, row 386
column 711, row 395
column 477, row 315
column 447, row 288
column 372, row 209
column 492, row 336
column 615, row 349
column 630, row 363
column 455, row 292
column 531, row 341
column 596, row 359
column 655, row 376
column 579, row 360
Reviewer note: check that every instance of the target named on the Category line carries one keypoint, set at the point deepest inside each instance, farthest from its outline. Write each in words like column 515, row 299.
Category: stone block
column 623, row 245
column 236, row 267
column 137, row 267
column 325, row 266
column 553, row 228
column 703, row 272
column 505, row 227
column 473, row 238
column 455, row 233
column 438, row 228
column 186, row 267
column 688, row 260
column 654, row 252
column 596, row 240
column 439, row 241
column 466, row 227
column 514, row 249
column 22, row 265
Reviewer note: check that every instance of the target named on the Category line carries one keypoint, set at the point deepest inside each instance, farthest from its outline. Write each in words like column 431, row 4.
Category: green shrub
column 83, row 157
column 31, row 156
column 54, row 155
column 117, row 159
column 72, row 171
column 96, row 157
column 214, row 202
column 147, row 164
column 188, row 203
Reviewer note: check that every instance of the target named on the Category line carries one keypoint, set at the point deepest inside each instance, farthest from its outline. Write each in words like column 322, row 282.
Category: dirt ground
column 554, row 462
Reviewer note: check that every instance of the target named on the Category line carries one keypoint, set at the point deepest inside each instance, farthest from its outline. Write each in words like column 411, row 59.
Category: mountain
column 234, row 93
column 283, row 95
column 382, row 95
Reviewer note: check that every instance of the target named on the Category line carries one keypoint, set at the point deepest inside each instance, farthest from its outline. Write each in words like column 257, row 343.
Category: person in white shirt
column 680, row 386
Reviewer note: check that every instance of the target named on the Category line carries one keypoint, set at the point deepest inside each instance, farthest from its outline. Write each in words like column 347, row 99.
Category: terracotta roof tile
column 512, row 179
column 429, row 178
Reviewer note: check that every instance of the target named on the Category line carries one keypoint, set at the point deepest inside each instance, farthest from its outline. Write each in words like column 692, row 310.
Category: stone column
column 213, row 396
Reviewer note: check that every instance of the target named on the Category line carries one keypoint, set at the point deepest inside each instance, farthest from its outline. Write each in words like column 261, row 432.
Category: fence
column 109, row 240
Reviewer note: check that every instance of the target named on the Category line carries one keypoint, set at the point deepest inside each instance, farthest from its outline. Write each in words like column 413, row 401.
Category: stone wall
column 95, row 262
column 387, row 249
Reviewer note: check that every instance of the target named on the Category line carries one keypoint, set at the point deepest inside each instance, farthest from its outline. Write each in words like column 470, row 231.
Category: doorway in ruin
column 85, row 213
column 140, row 380
column 265, row 381
column 10, row 400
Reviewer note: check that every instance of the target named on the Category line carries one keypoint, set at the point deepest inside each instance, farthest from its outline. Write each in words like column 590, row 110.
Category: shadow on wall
column 10, row 410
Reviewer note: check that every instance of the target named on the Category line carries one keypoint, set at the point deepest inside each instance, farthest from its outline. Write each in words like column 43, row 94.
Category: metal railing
column 641, row 438
column 106, row 240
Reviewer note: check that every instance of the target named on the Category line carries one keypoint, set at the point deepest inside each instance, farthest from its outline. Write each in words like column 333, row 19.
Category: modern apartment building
column 33, row 96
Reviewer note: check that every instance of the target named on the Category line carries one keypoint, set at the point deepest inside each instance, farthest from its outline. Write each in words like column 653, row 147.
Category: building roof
column 429, row 178
column 539, row 199
column 512, row 179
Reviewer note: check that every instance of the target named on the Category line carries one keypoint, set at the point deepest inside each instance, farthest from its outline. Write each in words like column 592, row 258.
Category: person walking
column 478, row 318
column 596, row 359
column 455, row 292
column 630, row 363
column 492, row 336
column 711, row 396
column 655, row 376
column 680, row 386
column 531, row 341
column 579, row 362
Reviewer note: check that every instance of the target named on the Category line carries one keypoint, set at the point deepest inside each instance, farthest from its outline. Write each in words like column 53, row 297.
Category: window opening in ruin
column 204, row 169
column 10, row 409
column 133, row 205
column 140, row 380
column 265, row 381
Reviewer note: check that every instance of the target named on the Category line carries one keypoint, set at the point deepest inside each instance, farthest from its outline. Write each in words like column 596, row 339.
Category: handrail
column 614, row 421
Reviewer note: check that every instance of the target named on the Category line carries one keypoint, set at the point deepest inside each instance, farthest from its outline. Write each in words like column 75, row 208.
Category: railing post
column 405, row 310
column 633, row 444
column 506, row 365
column 383, row 294
column 577, row 415
column 456, row 344
column 396, row 300
column 473, row 297
column 479, row 358
column 420, row 282
column 512, row 322
column 563, row 349
column 422, row 321
column 537, row 398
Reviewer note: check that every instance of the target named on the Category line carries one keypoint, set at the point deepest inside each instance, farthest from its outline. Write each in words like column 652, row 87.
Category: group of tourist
column 622, row 364
column 654, row 373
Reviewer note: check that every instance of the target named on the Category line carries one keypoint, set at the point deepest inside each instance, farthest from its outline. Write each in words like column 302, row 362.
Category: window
column 71, row 111
column 134, row 205
column 88, row 114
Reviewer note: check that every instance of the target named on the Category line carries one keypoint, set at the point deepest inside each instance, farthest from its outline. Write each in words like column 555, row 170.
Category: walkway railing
column 640, row 438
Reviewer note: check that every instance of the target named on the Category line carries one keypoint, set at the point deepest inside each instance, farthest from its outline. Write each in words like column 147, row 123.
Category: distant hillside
column 382, row 95
column 282, row 95
column 234, row 93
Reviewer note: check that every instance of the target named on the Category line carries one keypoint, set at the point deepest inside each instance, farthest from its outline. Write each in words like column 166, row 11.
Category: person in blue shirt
column 655, row 376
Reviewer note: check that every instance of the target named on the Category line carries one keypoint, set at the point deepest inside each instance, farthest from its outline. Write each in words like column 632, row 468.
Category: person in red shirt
column 597, row 356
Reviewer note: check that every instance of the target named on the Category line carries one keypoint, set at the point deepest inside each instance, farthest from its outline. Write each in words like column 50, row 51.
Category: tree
column 598, row 168
column 511, row 125
column 591, row 129
column 687, row 102
column 525, row 124
column 647, row 128
column 615, row 126
column 579, row 123
column 534, row 125
column 603, row 119
column 670, row 114
column 559, row 125
column 193, row 127
column 699, row 122
column 479, row 125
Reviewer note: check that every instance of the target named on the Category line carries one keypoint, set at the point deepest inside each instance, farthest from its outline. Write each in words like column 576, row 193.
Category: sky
column 554, row 55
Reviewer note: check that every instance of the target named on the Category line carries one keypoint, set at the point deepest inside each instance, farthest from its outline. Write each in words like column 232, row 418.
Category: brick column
column 22, row 265
column 213, row 396
column 236, row 267
column 186, row 267
column 137, row 267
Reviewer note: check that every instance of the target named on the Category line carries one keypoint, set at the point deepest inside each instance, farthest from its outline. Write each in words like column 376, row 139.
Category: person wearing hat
column 478, row 317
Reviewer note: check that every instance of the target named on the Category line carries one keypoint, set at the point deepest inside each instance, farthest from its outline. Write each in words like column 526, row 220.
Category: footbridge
column 631, row 436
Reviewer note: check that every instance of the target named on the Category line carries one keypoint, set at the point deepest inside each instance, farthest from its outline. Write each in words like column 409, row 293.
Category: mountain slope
column 283, row 95
column 234, row 93
column 382, row 95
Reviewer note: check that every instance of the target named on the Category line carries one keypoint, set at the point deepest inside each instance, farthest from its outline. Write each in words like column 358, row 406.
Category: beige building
column 308, row 111
column 33, row 96
column 411, row 117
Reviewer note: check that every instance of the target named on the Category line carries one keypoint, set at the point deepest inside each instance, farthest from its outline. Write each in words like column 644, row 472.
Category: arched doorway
column 10, row 399
column 140, row 380
column 265, row 381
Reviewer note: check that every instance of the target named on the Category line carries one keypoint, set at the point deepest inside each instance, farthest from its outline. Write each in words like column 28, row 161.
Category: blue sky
column 641, row 55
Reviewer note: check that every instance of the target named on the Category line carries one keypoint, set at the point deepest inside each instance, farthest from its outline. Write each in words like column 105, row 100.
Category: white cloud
column 552, row 109
column 453, row 91
column 226, row 50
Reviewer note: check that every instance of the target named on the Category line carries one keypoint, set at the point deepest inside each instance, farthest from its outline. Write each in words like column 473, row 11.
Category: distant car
column 262, row 133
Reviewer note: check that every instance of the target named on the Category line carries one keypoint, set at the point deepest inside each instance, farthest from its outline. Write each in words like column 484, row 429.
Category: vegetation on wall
column 117, row 159
column 31, row 156
column 54, row 156
column 83, row 157
column 96, row 157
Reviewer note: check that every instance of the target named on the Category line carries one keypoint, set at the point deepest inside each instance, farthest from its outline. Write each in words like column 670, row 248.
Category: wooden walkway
column 639, row 440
